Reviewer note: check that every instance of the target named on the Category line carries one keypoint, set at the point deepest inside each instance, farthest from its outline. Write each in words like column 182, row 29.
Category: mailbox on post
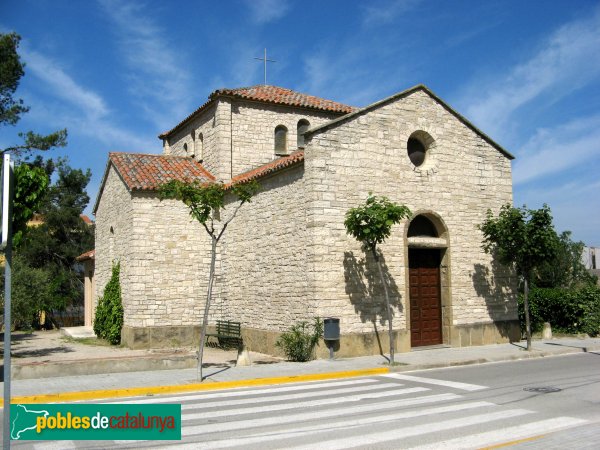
column 331, row 332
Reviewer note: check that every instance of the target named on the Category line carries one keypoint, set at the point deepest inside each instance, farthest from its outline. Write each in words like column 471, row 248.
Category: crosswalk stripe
column 356, row 423
column 282, row 396
column 415, row 430
column 451, row 384
column 189, row 430
column 324, row 414
column 305, row 404
column 51, row 445
column 505, row 434
column 238, row 392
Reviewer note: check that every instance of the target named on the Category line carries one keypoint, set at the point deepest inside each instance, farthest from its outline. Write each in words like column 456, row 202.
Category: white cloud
column 566, row 62
column 157, row 74
column 63, row 86
column 555, row 150
column 388, row 11
column 265, row 11
column 81, row 110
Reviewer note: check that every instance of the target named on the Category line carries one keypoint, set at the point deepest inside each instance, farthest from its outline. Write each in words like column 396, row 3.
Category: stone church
column 286, row 257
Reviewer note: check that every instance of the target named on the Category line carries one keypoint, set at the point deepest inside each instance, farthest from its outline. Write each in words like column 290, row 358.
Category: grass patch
column 395, row 364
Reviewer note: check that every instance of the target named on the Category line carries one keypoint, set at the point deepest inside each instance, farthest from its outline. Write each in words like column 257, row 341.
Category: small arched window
column 280, row 140
column 185, row 148
column 193, row 149
column 200, row 146
column 303, row 125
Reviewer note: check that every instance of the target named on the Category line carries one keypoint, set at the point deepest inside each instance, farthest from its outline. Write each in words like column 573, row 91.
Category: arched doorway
column 427, row 248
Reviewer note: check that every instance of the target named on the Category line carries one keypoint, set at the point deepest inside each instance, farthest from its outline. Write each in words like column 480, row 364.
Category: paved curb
column 534, row 354
column 97, row 366
column 195, row 387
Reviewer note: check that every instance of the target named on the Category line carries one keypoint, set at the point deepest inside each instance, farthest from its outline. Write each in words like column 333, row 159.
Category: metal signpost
column 7, row 192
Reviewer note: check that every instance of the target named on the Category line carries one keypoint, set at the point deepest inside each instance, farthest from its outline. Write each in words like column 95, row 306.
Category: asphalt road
column 544, row 403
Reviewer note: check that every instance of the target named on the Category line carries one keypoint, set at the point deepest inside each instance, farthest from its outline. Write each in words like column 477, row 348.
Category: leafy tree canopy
column 521, row 237
column 524, row 239
column 62, row 236
column 566, row 269
column 11, row 71
column 372, row 222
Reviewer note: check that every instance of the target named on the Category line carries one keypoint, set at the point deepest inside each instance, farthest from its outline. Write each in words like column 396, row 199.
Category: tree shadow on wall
column 364, row 288
column 497, row 284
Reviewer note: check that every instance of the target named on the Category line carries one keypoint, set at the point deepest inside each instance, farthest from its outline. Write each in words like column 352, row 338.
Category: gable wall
column 114, row 210
column 165, row 258
column 171, row 256
column 467, row 176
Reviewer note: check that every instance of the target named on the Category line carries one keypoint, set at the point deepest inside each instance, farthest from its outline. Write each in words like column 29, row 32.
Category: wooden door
column 425, row 300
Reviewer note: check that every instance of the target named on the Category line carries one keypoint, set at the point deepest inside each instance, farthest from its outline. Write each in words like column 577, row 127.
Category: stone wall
column 253, row 131
column 240, row 129
column 170, row 256
column 264, row 256
column 113, row 232
column 202, row 135
column 461, row 178
column 164, row 256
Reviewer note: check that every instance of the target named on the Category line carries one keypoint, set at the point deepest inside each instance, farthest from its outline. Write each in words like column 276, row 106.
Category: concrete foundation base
column 359, row 344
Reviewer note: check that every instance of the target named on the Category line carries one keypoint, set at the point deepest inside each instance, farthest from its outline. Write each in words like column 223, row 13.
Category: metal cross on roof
column 265, row 60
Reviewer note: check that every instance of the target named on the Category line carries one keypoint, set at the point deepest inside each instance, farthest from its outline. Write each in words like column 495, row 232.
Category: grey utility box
column 331, row 331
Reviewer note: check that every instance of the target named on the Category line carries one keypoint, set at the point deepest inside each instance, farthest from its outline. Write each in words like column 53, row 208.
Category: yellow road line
column 176, row 389
column 518, row 441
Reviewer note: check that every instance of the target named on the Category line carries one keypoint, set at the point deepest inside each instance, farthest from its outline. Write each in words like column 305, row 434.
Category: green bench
column 228, row 335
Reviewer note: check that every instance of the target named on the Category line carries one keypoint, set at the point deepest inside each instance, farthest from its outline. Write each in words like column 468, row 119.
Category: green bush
column 567, row 310
column 109, row 312
column 30, row 293
column 299, row 342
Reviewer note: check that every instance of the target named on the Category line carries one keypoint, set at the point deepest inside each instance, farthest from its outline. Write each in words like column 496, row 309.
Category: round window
column 416, row 151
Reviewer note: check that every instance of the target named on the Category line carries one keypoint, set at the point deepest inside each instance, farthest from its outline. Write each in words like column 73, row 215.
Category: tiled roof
column 271, row 94
column 147, row 172
column 265, row 169
column 87, row 255
column 86, row 219
column 283, row 96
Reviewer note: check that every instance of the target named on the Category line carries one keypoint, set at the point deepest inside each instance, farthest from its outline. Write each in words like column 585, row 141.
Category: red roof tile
column 87, row 255
column 273, row 166
column 148, row 172
column 272, row 94
column 283, row 96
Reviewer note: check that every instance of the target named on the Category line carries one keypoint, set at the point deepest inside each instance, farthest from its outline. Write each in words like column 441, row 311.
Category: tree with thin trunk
column 371, row 224
column 523, row 239
column 206, row 202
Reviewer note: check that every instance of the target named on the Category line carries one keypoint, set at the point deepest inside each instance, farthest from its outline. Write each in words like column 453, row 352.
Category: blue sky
column 117, row 73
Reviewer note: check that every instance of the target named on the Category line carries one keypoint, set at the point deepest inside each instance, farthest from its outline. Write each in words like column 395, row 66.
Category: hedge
column 567, row 310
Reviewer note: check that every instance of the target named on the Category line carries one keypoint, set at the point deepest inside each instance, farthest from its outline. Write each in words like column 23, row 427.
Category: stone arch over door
column 429, row 308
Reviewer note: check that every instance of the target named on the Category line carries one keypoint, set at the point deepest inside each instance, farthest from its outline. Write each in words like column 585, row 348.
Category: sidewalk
column 220, row 369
